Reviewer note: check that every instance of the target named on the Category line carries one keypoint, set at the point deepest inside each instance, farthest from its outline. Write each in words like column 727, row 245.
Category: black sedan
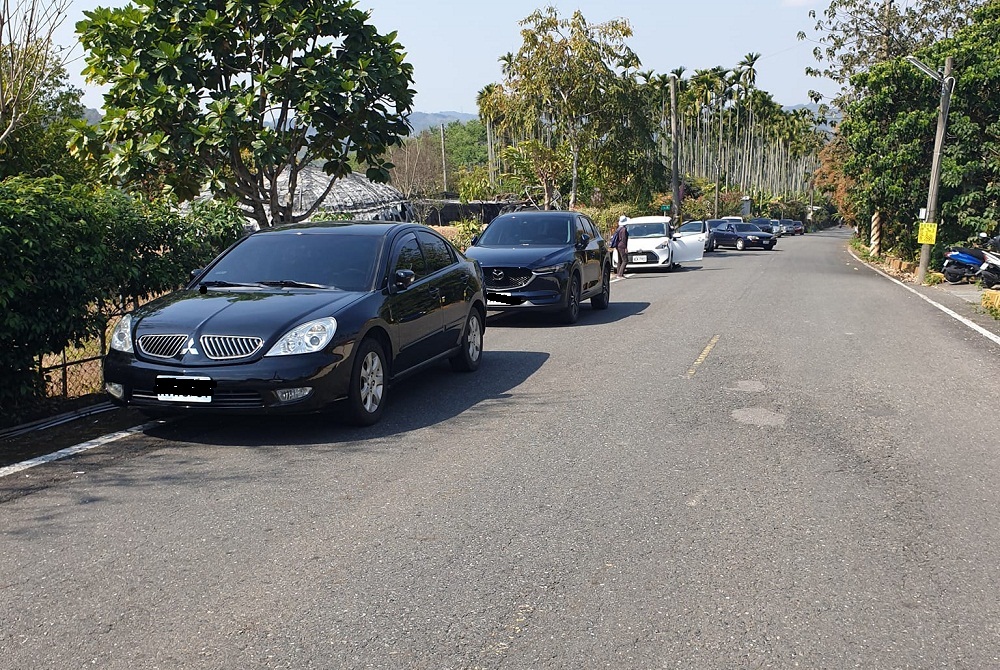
column 297, row 318
column 742, row 236
column 544, row 260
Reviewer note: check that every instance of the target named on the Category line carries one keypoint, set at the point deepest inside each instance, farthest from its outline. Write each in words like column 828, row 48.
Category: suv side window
column 409, row 257
column 579, row 232
column 437, row 253
column 590, row 228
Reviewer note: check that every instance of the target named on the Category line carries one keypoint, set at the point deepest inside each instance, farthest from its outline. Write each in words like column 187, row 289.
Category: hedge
column 73, row 257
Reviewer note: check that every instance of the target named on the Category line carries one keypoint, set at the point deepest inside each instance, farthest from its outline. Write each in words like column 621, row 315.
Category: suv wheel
column 603, row 299
column 571, row 312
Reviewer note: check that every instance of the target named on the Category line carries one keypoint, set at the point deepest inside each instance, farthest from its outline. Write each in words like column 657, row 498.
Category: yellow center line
column 701, row 359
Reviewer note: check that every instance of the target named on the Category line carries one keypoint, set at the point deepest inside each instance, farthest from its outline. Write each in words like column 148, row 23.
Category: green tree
column 560, row 79
column 856, row 34
column 890, row 131
column 37, row 147
column 241, row 95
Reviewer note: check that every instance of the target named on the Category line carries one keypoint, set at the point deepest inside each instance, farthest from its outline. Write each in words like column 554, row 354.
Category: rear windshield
column 344, row 262
column 515, row 230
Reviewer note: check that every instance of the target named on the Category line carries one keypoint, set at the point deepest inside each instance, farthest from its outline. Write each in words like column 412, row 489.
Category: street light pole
column 947, row 86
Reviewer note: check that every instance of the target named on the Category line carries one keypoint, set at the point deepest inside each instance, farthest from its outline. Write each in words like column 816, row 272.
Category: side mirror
column 403, row 279
column 984, row 236
column 475, row 238
column 196, row 272
column 583, row 241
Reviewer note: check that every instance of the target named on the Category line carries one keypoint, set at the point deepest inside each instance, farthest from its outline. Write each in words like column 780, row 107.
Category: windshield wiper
column 215, row 283
column 291, row 283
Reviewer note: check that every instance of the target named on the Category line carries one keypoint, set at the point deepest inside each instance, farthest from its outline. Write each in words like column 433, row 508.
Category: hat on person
column 622, row 219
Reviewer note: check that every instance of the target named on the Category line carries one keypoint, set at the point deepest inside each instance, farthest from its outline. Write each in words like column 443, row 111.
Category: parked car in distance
column 793, row 227
column 779, row 228
column 695, row 228
column 713, row 226
column 743, row 236
column 652, row 243
column 298, row 318
column 544, row 261
column 766, row 225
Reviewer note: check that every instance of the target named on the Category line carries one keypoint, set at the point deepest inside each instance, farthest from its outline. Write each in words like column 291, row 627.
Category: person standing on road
column 619, row 241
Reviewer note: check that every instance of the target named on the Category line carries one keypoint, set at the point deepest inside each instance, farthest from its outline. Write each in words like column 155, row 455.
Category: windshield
column 515, row 230
column 345, row 262
column 647, row 229
column 747, row 228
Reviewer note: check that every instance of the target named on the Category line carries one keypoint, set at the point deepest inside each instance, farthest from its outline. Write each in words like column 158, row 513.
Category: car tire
column 714, row 245
column 571, row 312
column 471, row 347
column 367, row 395
column 740, row 244
column 603, row 299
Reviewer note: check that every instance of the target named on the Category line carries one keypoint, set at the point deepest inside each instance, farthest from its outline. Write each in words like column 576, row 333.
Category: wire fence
column 75, row 371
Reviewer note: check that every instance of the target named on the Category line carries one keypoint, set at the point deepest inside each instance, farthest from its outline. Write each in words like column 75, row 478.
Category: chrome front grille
column 161, row 346
column 506, row 278
column 229, row 347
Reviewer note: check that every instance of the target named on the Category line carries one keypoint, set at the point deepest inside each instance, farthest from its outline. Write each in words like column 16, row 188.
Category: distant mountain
column 422, row 120
column 92, row 116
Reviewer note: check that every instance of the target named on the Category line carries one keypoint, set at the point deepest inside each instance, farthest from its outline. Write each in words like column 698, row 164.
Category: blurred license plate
column 184, row 389
column 639, row 259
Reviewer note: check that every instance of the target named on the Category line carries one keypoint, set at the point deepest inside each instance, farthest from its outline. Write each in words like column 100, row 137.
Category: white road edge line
column 76, row 449
column 958, row 317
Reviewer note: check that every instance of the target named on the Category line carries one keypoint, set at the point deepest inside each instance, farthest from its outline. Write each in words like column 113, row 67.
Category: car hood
column 761, row 234
column 252, row 312
column 525, row 257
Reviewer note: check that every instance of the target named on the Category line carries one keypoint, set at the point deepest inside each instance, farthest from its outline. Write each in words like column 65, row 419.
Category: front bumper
column 250, row 388
column 543, row 293
column 647, row 258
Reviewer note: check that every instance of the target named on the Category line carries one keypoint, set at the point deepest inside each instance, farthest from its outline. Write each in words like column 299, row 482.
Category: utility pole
column 928, row 233
column 444, row 165
column 675, row 142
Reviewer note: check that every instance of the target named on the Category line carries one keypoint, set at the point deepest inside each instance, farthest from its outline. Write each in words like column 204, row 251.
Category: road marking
column 76, row 449
column 958, row 317
column 701, row 359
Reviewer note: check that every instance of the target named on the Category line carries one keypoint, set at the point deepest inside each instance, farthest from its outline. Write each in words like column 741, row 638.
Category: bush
column 463, row 231
column 606, row 218
column 73, row 257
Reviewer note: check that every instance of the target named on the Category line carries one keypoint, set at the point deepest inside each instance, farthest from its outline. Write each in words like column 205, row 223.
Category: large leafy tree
column 890, row 133
column 561, row 78
column 853, row 35
column 242, row 94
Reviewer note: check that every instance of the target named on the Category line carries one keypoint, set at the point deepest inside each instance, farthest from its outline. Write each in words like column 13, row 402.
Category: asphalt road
column 774, row 459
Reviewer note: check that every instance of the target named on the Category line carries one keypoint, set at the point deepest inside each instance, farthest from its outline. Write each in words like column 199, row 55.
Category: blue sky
column 454, row 44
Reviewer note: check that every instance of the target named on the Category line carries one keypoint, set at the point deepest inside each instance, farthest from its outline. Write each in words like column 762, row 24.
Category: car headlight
column 121, row 336
column 753, row 238
column 552, row 269
column 305, row 339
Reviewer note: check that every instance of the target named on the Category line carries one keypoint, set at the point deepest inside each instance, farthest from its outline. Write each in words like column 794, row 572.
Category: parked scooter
column 966, row 264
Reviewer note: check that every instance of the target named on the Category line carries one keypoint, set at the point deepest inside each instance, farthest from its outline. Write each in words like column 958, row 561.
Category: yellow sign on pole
column 927, row 234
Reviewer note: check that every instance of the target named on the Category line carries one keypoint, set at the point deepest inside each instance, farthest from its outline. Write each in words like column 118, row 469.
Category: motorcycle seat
column 975, row 253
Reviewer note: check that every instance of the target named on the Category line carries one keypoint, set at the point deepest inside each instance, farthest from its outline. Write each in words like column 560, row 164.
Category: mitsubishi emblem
column 189, row 349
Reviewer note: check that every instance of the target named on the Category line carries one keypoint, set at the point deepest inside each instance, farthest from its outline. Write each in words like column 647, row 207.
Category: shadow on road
column 430, row 397
column 616, row 311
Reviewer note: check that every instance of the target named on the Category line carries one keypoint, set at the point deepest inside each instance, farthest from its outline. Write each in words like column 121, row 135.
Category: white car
column 697, row 229
column 653, row 244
